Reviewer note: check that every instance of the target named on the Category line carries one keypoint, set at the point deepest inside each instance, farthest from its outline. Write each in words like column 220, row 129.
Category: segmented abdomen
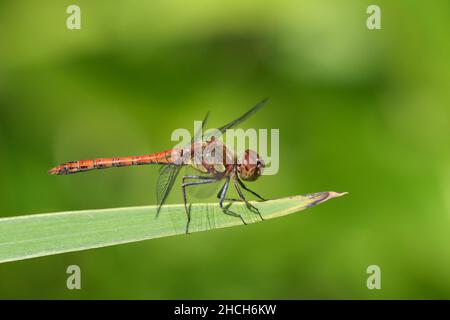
column 164, row 157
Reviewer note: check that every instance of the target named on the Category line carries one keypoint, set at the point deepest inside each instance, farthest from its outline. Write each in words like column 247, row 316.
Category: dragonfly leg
column 219, row 196
column 232, row 200
column 203, row 180
column 223, row 193
column 249, row 205
column 247, row 189
column 197, row 177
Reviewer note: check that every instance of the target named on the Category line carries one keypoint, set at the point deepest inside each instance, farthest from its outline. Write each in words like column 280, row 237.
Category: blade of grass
column 38, row 235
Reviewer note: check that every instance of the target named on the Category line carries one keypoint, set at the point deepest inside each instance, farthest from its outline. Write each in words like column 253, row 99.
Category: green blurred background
column 360, row 111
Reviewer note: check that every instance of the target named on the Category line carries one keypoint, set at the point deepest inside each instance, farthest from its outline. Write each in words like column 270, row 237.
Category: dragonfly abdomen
column 104, row 163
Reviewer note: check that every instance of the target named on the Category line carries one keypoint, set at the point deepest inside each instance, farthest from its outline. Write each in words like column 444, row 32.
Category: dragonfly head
column 251, row 166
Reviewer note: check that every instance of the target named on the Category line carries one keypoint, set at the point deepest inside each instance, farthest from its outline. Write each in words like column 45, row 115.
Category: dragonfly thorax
column 251, row 166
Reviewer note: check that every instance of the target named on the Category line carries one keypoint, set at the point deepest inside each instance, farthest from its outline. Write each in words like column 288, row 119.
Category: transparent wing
column 197, row 136
column 166, row 179
column 168, row 175
column 245, row 116
column 242, row 118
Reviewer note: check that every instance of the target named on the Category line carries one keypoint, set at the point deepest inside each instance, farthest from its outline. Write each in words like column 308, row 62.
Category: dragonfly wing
column 197, row 136
column 167, row 176
column 245, row 116
column 235, row 122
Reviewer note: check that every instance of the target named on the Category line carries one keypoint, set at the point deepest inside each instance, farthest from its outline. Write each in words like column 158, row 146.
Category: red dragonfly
column 227, row 169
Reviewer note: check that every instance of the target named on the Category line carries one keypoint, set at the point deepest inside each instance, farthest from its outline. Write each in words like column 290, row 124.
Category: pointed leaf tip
column 332, row 194
column 324, row 196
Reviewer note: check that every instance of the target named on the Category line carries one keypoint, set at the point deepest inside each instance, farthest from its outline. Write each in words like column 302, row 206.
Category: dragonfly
column 226, row 168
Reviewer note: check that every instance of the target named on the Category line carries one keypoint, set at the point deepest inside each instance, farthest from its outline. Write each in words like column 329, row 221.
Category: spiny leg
column 227, row 211
column 247, row 189
column 243, row 187
column 223, row 193
column 204, row 180
column 198, row 177
column 249, row 205
column 219, row 196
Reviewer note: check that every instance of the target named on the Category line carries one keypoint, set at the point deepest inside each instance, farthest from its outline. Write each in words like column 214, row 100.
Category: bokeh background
column 358, row 110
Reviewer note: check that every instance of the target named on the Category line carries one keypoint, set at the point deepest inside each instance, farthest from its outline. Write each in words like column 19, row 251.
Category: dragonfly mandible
column 227, row 169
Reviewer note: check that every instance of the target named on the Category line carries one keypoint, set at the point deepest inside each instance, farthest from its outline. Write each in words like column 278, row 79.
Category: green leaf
column 38, row 235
